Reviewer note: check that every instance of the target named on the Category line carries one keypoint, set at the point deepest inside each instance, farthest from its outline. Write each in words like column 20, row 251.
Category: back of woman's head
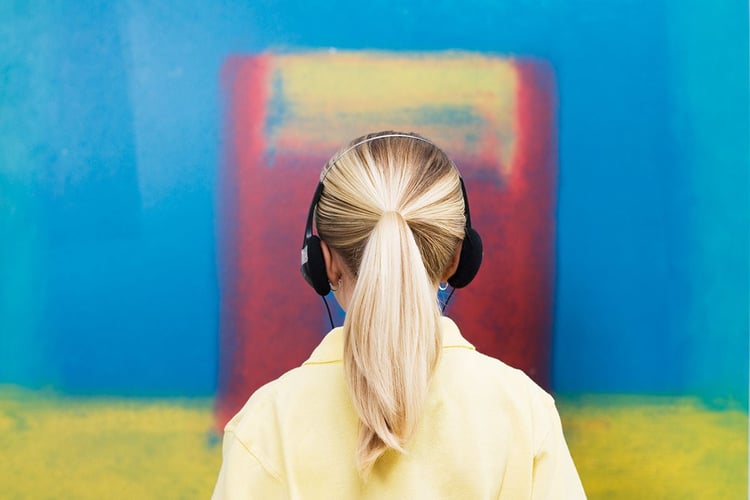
column 392, row 208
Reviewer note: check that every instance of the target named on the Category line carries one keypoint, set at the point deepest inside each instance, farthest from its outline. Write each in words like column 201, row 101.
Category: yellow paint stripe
column 628, row 447
column 624, row 447
column 465, row 102
column 106, row 448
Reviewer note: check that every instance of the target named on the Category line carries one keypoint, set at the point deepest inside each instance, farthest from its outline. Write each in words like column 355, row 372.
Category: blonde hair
column 392, row 208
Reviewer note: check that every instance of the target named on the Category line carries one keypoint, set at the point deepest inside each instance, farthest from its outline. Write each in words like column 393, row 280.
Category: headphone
column 313, row 265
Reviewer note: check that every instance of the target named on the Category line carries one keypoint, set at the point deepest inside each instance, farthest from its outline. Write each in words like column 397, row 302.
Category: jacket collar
column 331, row 349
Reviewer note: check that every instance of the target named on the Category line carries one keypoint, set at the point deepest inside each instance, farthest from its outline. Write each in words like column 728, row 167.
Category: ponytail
column 392, row 340
column 393, row 210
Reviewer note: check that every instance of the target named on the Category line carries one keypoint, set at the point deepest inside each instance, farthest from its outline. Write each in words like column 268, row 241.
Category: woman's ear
column 454, row 264
column 332, row 263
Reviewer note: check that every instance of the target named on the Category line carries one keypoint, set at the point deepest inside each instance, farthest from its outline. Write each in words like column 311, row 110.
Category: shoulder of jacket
column 263, row 403
column 259, row 403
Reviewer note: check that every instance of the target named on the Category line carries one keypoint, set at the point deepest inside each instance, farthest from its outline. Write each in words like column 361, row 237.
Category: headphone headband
column 370, row 139
column 313, row 267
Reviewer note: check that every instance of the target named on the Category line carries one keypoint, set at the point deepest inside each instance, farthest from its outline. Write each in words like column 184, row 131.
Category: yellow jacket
column 488, row 431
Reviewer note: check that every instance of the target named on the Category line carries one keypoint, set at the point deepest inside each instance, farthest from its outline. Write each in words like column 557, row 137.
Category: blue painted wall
column 110, row 140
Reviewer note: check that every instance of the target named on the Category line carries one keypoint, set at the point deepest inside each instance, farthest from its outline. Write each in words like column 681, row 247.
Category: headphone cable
column 445, row 304
column 330, row 317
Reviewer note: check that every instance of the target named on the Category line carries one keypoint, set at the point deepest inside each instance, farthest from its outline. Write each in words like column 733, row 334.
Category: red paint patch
column 507, row 311
column 271, row 320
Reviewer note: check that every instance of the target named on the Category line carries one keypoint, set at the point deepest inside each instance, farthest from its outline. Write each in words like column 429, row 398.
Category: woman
column 396, row 403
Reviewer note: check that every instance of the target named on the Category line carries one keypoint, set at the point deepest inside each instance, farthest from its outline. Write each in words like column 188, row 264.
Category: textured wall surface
column 605, row 146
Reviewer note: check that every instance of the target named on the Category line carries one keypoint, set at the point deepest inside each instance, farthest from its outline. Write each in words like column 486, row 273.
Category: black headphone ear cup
column 314, row 270
column 472, row 252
